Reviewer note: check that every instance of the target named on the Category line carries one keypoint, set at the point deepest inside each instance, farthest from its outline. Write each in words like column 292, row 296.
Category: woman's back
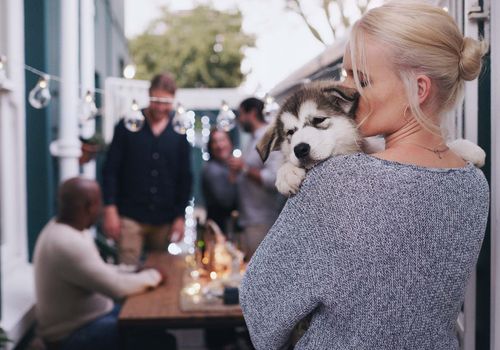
column 380, row 251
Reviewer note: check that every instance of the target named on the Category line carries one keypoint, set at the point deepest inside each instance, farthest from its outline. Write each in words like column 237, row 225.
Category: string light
column 39, row 96
column 88, row 108
column 271, row 108
column 183, row 121
column 134, row 119
column 129, row 71
column 205, row 136
column 226, row 119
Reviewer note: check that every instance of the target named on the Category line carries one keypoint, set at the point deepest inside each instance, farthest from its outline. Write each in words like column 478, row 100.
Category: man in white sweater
column 75, row 288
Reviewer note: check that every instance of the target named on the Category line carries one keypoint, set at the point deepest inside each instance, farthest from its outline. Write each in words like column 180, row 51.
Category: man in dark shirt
column 147, row 179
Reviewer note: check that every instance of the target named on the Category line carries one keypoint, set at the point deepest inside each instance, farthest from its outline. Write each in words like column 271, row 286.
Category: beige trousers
column 134, row 236
column 252, row 236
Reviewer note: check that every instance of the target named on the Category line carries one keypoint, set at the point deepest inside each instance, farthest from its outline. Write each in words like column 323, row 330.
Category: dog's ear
column 269, row 142
column 346, row 98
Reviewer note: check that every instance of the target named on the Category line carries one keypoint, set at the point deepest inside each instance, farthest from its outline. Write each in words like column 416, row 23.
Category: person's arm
column 111, row 171
column 285, row 279
column 183, row 190
column 112, row 165
column 84, row 267
column 270, row 169
column 218, row 189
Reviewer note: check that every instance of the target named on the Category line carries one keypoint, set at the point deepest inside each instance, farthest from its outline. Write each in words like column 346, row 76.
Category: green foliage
column 3, row 338
column 202, row 47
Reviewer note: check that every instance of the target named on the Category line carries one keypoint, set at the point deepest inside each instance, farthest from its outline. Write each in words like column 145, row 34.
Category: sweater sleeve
column 111, row 168
column 84, row 267
column 285, row 278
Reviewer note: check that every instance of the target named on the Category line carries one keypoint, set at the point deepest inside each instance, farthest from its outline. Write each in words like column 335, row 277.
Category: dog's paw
column 289, row 178
column 468, row 151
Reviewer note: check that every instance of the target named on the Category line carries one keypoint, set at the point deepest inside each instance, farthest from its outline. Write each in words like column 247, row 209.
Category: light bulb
column 226, row 119
column 183, row 120
column 88, row 109
column 271, row 108
column 3, row 75
column 40, row 96
column 134, row 119
column 129, row 71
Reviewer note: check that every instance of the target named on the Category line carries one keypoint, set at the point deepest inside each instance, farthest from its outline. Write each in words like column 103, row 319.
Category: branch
column 363, row 8
column 300, row 12
column 326, row 8
column 345, row 20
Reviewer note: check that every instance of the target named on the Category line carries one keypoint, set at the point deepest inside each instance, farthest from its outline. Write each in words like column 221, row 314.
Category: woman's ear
column 424, row 84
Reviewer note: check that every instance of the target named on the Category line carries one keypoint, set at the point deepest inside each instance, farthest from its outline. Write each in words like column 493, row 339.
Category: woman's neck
column 412, row 132
column 414, row 144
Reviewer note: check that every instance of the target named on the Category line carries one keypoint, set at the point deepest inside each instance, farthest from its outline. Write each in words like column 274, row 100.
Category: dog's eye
column 318, row 120
column 290, row 132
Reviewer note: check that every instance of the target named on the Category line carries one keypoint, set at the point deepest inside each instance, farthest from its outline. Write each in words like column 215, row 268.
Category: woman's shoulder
column 361, row 168
column 341, row 166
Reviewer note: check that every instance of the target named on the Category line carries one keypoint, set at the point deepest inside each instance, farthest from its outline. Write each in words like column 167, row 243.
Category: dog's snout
column 301, row 150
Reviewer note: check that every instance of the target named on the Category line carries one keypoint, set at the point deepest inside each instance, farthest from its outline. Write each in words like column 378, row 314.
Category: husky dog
column 317, row 122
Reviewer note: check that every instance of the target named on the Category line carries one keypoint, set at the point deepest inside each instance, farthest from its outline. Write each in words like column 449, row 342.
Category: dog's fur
column 317, row 122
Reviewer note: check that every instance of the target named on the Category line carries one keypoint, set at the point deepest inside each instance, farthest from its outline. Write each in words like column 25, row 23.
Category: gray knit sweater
column 378, row 252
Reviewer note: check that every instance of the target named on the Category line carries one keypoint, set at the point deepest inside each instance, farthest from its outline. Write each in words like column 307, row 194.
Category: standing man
column 147, row 179
column 259, row 201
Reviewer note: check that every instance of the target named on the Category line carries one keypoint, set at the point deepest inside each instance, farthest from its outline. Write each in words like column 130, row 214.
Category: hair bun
column 471, row 56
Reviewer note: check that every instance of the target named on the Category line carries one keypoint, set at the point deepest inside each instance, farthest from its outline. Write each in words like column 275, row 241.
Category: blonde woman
column 377, row 249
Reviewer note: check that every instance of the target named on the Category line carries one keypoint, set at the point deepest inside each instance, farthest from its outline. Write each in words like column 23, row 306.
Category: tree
column 202, row 47
column 329, row 7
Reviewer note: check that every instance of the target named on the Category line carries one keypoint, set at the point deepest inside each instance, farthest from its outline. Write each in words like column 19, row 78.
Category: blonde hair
column 422, row 39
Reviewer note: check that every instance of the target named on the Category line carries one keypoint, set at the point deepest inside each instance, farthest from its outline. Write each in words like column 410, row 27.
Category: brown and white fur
column 317, row 122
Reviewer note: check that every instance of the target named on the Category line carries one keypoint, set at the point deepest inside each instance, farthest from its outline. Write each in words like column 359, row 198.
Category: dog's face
column 314, row 123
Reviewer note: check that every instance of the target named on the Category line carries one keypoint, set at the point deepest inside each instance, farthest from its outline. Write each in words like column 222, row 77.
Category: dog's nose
column 301, row 150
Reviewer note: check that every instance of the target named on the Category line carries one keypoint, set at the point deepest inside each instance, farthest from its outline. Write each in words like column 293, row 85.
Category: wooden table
column 160, row 307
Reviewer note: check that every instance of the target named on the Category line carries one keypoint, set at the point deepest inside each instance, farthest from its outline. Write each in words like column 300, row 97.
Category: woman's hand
column 177, row 230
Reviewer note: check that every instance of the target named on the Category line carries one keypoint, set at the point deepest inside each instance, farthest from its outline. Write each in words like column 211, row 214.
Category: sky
column 283, row 42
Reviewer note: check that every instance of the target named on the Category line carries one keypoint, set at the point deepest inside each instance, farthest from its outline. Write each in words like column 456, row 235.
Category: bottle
column 200, row 243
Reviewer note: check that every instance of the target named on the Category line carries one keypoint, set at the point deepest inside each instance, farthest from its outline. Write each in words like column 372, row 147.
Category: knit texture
column 377, row 251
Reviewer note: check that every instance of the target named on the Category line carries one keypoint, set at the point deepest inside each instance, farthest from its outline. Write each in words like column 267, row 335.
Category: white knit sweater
column 73, row 284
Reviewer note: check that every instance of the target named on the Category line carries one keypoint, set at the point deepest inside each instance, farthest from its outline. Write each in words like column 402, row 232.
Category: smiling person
column 147, row 179
column 219, row 188
column 376, row 250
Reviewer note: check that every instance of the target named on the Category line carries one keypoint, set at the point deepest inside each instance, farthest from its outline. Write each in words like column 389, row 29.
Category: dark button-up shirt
column 148, row 177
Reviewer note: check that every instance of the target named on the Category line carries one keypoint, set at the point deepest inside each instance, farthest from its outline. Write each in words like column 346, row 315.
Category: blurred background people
column 147, row 179
column 74, row 286
column 258, row 200
column 218, row 186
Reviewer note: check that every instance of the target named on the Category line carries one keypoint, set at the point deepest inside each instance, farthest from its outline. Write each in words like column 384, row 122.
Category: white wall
column 17, row 279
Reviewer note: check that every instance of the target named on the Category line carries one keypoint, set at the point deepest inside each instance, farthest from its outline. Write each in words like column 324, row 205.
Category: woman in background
column 219, row 188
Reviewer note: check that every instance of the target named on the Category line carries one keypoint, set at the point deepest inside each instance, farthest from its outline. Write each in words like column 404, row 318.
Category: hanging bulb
column 129, row 71
column 40, row 96
column 134, row 119
column 183, row 121
column 3, row 74
column 271, row 108
column 88, row 109
column 226, row 119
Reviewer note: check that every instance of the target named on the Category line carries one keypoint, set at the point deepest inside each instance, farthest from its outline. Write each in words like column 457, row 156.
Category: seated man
column 74, row 286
